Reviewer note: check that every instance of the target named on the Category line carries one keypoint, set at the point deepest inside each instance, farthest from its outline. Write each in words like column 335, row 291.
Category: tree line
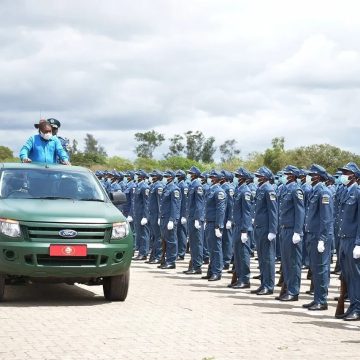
column 193, row 148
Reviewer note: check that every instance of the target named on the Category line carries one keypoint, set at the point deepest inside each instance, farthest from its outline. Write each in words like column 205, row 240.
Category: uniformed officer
column 195, row 211
column 55, row 125
column 319, row 228
column 349, row 234
column 140, row 206
column 169, row 217
column 206, row 186
column 227, row 242
column 253, row 188
column 214, row 217
column 242, row 223
column 265, row 224
column 156, row 190
column 129, row 192
column 182, row 225
column 291, row 223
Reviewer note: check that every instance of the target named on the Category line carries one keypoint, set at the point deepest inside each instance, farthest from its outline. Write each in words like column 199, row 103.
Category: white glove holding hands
column 271, row 236
column 170, row 225
column 296, row 238
column 143, row 221
column 197, row 224
column 321, row 246
column 244, row 237
column 183, row 221
column 228, row 225
column 356, row 252
column 218, row 233
column 129, row 219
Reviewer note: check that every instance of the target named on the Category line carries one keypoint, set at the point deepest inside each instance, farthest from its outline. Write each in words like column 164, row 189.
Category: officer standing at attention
column 349, row 234
column 215, row 208
column 182, row 225
column 242, row 224
column 156, row 191
column 129, row 192
column 140, row 214
column 319, row 227
column 291, row 223
column 206, row 186
column 195, row 211
column 169, row 217
column 227, row 243
column 43, row 147
column 265, row 224
column 55, row 125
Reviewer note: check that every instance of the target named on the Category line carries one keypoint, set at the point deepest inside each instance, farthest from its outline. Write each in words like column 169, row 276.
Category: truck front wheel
column 116, row 287
column 2, row 287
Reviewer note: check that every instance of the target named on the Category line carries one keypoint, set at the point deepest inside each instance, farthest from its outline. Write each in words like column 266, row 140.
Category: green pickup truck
column 57, row 224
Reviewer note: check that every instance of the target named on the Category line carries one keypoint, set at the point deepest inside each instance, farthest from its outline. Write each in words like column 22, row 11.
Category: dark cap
column 316, row 169
column 194, row 170
column 141, row 173
column 54, row 123
column 215, row 174
column 351, row 166
column 291, row 169
column 169, row 173
column 242, row 172
column 265, row 172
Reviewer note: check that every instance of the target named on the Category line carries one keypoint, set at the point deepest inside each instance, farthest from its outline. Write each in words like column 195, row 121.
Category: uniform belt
column 286, row 226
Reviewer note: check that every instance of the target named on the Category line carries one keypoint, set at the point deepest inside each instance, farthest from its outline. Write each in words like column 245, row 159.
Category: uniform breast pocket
column 314, row 199
column 351, row 201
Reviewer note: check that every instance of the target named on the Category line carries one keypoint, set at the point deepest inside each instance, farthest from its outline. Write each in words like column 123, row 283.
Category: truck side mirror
column 118, row 198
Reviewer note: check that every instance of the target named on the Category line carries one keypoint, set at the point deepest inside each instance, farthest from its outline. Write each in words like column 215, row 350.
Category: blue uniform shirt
column 170, row 202
column 266, row 214
column 195, row 201
column 45, row 151
column 140, row 200
column 215, row 205
column 292, row 208
column 184, row 188
column 129, row 191
column 229, row 191
column 242, row 208
column 156, row 191
column 319, row 212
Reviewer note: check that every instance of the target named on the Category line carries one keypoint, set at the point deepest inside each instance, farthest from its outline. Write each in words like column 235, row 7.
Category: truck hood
column 60, row 211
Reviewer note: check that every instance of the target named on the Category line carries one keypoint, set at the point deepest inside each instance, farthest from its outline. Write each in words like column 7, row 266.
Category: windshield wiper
column 53, row 198
column 92, row 199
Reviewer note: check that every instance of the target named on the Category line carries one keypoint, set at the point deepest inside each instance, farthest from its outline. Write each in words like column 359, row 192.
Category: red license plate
column 68, row 250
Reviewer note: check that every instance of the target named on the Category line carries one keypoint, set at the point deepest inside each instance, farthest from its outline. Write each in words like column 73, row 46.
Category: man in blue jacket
column 43, row 147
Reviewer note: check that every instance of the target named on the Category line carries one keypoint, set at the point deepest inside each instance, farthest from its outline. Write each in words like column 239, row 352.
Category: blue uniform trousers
column 319, row 265
column 182, row 238
column 242, row 253
column 252, row 240
column 206, row 254
column 171, row 241
column 215, row 250
column 305, row 255
column 350, row 269
column 142, row 238
column 290, row 261
column 266, row 255
column 196, row 245
column 155, row 241
column 227, row 245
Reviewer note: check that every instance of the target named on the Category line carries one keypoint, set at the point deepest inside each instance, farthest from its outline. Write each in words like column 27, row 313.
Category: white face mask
column 46, row 136
column 256, row 181
column 308, row 180
column 345, row 179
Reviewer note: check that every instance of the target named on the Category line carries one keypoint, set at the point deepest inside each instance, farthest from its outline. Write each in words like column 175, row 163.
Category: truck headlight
column 120, row 230
column 10, row 227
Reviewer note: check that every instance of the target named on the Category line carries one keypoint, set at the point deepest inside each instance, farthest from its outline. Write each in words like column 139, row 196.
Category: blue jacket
column 242, row 208
column 349, row 220
column 195, row 201
column 215, row 206
column 266, row 214
column 319, row 213
column 292, row 208
column 184, row 188
column 156, row 191
column 170, row 203
column 306, row 188
column 229, row 191
column 129, row 192
column 45, row 151
column 140, row 201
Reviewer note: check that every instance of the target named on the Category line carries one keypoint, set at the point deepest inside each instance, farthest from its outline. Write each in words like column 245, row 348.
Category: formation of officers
column 298, row 216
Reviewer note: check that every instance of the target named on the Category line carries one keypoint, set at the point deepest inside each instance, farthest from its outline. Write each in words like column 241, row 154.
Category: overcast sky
column 248, row 70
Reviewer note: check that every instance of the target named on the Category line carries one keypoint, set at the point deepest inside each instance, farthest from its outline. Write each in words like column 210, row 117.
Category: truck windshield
column 49, row 184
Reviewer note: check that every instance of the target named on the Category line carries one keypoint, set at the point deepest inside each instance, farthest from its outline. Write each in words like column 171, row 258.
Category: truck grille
column 90, row 260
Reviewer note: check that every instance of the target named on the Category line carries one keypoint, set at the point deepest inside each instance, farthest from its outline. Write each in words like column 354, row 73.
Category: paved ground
column 168, row 315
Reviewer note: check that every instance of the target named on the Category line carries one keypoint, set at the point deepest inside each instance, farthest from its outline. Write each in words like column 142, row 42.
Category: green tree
column 228, row 150
column 92, row 146
column 194, row 145
column 5, row 153
column 275, row 158
column 119, row 163
column 208, row 150
column 177, row 146
column 146, row 164
column 149, row 141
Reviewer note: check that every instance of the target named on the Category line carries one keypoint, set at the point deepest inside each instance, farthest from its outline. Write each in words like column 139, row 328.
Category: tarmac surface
column 168, row 315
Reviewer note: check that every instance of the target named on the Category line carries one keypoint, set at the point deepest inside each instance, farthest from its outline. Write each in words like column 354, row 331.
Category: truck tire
column 2, row 287
column 116, row 287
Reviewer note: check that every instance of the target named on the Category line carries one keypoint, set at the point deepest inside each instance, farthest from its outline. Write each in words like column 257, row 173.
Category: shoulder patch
column 200, row 190
column 325, row 199
column 177, row 193
column 300, row 195
column 247, row 196
column 272, row 196
column 160, row 190
column 221, row 195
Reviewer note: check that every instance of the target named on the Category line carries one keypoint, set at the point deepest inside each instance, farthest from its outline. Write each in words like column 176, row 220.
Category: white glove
column 183, row 221
column 321, row 246
column 252, row 221
column 356, row 252
column 228, row 225
column 170, row 225
column 244, row 238
column 129, row 219
column 143, row 221
column 197, row 224
column 218, row 233
column 26, row 160
column 159, row 221
column 65, row 162
column 204, row 225
column 271, row 236
column 296, row 238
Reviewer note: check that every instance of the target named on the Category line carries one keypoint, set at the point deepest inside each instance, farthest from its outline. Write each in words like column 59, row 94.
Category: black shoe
column 310, row 292
column 168, row 266
column 206, row 261
column 193, row 272
column 353, row 316
column 214, row 277
column 265, row 291
column 154, row 261
column 257, row 290
column 139, row 258
column 257, row 277
column 180, row 257
column 241, row 286
column 226, row 267
column 317, row 307
column 310, row 304
column 288, row 297
column 230, row 271
column 206, row 277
